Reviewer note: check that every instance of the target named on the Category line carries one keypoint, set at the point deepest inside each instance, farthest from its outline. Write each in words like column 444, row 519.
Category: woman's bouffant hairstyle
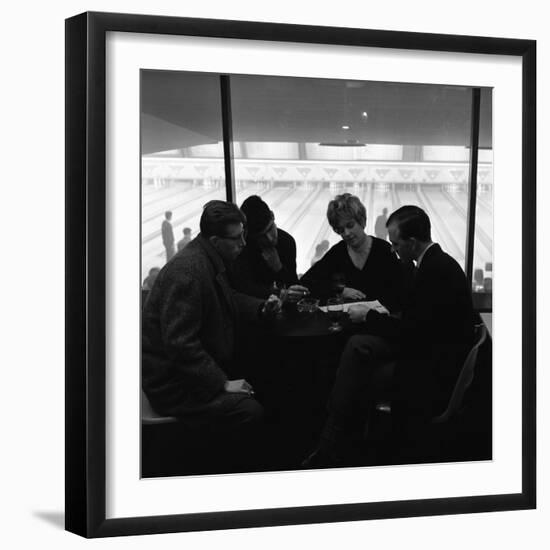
column 344, row 207
column 217, row 215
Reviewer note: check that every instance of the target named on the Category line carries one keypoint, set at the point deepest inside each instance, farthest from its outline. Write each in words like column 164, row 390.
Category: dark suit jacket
column 189, row 325
column 435, row 331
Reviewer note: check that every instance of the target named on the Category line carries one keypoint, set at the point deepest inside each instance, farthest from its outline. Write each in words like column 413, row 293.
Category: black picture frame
column 86, row 284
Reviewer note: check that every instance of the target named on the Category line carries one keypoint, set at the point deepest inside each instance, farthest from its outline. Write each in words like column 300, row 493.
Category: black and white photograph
column 275, row 275
column 293, row 252
column 316, row 273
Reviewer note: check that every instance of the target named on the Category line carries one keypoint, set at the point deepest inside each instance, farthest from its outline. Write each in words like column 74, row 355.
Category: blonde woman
column 359, row 267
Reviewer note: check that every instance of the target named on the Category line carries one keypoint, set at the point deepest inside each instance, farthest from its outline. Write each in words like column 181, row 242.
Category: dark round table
column 315, row 325
column 291, row 362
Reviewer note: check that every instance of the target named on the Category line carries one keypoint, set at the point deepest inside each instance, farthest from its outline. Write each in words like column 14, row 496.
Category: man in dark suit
column 168, row 235
column 416, row 354
column 189, row 327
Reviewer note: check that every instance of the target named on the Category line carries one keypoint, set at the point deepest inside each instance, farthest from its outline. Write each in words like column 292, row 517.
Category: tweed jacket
column 189, row 326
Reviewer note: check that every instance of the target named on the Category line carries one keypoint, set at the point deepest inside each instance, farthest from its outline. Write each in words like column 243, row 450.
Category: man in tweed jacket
column 188, row 332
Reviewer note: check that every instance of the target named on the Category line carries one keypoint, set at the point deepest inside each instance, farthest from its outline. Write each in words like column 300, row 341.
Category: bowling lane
column 452, row 220
column 483, row 245
column 184, row 205
column 287, row 211
column 149, row 194
column 188, row 215
column 484, row 214
column 310, row 229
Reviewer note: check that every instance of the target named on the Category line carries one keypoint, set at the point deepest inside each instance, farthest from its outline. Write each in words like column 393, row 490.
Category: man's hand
column 271, row 306
column 238, row 386
column 358, row 313
column 295, row 293
column 352, row 294
column 271, row 258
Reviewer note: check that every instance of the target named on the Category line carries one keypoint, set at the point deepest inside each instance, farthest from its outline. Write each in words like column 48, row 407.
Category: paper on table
column 375, row 304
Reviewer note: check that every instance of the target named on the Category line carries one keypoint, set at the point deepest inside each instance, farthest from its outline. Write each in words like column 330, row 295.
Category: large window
column 182, row 155
column 297, row 142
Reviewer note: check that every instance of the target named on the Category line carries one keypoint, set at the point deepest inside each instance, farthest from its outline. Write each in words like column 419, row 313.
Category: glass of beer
column 338, row 284
column 335, row 310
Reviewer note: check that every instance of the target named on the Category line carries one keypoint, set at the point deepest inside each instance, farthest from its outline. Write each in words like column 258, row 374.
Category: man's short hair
column 346, row 206
column 412, row 221
column 187, row 231
column 217, row 215
column 168, row 214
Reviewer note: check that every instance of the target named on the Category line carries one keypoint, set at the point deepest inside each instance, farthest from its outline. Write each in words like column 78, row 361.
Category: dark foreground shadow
column 293, row 425
column 57, row 519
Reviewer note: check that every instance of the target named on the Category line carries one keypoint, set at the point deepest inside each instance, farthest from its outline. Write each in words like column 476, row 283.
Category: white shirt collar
column 419, row 260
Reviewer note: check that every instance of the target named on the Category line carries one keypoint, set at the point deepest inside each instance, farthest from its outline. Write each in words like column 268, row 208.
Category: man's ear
column 214, row 240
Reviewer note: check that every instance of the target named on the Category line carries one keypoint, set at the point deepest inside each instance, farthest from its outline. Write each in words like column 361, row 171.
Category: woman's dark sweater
column 382, row 278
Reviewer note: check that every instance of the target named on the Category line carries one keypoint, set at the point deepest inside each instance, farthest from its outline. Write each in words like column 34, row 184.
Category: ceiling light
column 345, row 127
column 364, row 114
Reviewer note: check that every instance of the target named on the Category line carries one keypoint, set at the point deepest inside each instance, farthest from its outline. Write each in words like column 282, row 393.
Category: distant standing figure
column 320, row 250
column 150, row 279
column 168, row 235
column 380, row 229
column 182, row 243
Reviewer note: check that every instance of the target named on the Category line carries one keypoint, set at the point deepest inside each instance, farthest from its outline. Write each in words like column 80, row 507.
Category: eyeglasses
column 236, row 238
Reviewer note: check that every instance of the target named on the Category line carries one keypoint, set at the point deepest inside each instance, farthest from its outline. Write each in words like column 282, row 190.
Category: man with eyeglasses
column 189, row 328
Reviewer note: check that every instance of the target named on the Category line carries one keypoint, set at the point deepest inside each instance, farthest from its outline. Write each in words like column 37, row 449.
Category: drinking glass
column 281, row 292
column 335, row 310
column 338, row 284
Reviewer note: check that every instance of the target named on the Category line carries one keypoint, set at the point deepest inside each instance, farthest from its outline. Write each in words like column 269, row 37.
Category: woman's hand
column 352, row 294
column 358, row 313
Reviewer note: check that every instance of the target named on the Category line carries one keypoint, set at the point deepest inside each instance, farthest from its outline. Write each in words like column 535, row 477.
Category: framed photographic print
column 207, row 344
